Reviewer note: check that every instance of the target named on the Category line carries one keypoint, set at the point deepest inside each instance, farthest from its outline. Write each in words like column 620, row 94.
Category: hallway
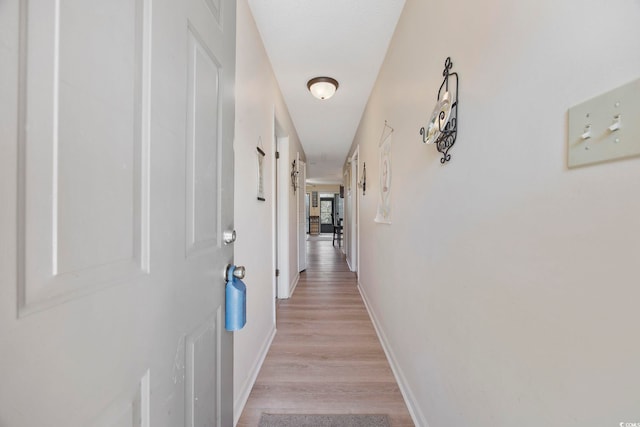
column 326, row 357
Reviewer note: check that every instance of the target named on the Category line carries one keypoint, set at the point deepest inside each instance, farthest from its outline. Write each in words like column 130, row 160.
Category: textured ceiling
column 343, row 39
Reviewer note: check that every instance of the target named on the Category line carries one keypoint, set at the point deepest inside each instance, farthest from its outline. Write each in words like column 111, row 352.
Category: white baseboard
column 349, row 264
column 416, row 414
column 292, row 286
column 243, row 396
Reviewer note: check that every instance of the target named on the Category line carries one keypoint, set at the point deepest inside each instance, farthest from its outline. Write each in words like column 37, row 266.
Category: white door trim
column 301, row 217
column 355, row 212
column 284, row 181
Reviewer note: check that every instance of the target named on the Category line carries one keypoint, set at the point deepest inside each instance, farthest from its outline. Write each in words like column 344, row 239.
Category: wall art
column 260, row 156
column 383, row 214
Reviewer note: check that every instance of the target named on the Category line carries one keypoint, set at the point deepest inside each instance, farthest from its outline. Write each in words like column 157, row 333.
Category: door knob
column 229, row 237
column 237, row 271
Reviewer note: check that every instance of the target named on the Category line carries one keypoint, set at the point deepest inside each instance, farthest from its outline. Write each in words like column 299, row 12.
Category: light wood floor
column 326, row 357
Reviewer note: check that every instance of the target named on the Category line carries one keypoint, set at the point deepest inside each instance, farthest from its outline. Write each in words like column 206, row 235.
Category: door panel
column 131, row 409
column 202, row 369
column 202, row 147
column 84, row 184
column 120, row 139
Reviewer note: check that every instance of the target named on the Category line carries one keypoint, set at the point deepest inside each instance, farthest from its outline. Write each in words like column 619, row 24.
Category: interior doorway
column 354, row 196
column 307, row 204
column 282, row 215
column 327, row 214
column 302, row 215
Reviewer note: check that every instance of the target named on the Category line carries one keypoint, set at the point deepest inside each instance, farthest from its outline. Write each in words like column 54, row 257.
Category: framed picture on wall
column 314, row 199
column 260, row 157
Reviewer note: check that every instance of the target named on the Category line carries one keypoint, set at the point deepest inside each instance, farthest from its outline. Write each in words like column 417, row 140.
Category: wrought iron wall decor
column 294, row 176
column 260, row 157
column 442, row 128
column 363, row 180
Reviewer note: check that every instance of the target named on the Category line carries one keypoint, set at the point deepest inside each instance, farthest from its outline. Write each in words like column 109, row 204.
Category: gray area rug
column 341, row 420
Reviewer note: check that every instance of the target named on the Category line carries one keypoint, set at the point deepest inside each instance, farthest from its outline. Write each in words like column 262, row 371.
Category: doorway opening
column 307, row 204
column 302, row 215
column 327, row 214
column 353, row 230
column 281, row 213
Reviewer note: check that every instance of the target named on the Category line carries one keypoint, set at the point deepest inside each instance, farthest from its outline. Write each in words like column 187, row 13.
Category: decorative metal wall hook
column 294, row 176
column 442, row 128
column 386, row 126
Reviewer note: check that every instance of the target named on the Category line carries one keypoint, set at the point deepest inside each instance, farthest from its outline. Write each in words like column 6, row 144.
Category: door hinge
column 277, row 154
column 277, row 272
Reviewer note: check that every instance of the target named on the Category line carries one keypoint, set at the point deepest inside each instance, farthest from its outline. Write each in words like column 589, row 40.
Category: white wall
column 520, row 302
column 258, row 99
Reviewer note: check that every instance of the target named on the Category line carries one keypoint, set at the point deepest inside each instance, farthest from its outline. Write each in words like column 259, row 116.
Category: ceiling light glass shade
column 322, row 87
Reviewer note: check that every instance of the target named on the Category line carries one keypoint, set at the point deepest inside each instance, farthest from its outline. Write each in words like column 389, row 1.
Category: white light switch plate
column 595, row 116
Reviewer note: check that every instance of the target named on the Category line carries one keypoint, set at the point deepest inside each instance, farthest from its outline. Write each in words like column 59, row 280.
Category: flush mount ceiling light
column 322, row 87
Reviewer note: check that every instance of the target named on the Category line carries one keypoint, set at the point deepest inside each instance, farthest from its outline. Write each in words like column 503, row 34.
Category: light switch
column 606, row 127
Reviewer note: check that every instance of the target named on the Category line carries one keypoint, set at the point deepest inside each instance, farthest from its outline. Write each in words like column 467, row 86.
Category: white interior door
column 302, row 221
column 117, row 182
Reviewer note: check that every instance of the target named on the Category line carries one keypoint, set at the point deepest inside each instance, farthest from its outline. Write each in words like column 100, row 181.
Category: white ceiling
column 343, row 39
